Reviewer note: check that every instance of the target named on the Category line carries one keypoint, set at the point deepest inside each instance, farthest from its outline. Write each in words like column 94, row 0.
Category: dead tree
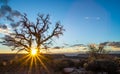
column 26, row 34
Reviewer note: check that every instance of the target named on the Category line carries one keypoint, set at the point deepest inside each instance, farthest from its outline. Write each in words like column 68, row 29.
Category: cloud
column 113, row 44
column 65, row 44
column 80, row 45
column 93, row 18
column 4, row 29
column 86, row 17
column 15, row 13
column 7, row 12
column 6, row 8
column 57, row 47
column 4, row 1
column 14, row 25
column 7, row 37
column 98, row 18
column 3, row 26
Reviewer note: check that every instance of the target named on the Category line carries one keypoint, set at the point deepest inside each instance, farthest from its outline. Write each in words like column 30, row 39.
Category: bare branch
column 58, row 30
column 26, row 32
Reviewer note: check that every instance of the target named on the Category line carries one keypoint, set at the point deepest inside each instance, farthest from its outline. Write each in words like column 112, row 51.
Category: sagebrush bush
column 102, row 65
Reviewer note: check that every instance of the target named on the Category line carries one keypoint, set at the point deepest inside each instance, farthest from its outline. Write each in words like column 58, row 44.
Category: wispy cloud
column 86, row 17
column 113, row 44
column 4, row 30
column 4, row 1
column 78, row 45
column 98, row 18
column 7, row 12
column 92, row 18
column 3, row 26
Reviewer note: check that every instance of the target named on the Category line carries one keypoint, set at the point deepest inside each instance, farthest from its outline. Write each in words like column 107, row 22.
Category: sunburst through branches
column 35, row 63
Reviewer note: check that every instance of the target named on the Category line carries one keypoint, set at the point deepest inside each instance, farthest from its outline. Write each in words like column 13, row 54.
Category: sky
column 85, row 21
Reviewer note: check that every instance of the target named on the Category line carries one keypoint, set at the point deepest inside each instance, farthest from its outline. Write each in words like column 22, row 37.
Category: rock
column 68, row 70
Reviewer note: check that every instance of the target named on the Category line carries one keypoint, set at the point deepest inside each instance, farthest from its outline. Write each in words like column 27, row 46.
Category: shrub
column 60, row 64
column 102, row 65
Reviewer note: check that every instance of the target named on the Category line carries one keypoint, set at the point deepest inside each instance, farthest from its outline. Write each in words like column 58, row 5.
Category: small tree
column 96, row 51
column 26, row 34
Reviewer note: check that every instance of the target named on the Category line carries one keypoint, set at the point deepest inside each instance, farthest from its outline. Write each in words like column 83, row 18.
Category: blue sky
column 85, row 21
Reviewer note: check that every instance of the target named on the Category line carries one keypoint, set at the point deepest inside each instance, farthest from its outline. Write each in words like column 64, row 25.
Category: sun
column 33, row 59
column 33, row 52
